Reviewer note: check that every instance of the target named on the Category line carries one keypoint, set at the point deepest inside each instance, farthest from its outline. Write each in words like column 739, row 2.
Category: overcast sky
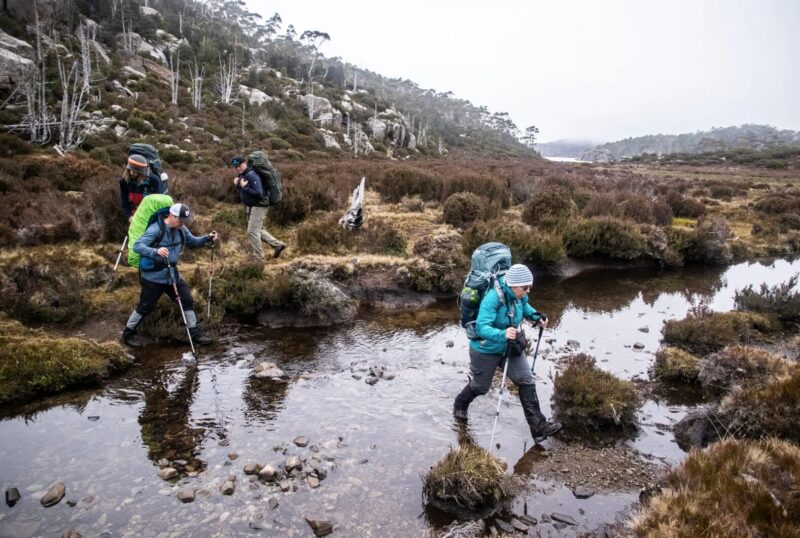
column 602, row 70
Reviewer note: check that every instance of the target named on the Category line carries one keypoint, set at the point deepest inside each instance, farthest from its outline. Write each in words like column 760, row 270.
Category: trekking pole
column 502, row 390
column 180, row 305
column 536, row 352
column 119, row 257
column 210, row 278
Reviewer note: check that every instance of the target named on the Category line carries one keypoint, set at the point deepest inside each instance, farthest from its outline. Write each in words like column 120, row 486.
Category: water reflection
column 397, row 428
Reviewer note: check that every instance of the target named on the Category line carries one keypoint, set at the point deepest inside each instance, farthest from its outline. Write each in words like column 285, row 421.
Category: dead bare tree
column 86, row 36
column 197, row 74
column 315, row 40
column 71, row 131
column 226, row 79
column 38, row 119
column 127, row 38
column 174, row 64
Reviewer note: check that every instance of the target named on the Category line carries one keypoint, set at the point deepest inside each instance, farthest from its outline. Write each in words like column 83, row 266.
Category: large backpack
column 270, row 177
column 489, row 262
column 150, row 153
column 152, row 208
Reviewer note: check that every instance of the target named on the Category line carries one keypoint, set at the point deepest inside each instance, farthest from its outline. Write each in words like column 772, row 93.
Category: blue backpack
column 489, row 262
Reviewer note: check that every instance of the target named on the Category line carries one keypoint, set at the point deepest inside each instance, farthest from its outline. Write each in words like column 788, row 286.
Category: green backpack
column 270, row 177
column 145, row 215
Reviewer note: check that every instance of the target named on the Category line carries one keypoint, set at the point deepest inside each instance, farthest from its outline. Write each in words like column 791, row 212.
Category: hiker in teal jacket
column 498, row 330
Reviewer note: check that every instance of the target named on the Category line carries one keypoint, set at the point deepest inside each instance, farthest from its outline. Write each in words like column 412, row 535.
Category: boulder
column 130, row 72
column 134, row 39
column 157, row 69
column 17, row 46
column 152, row 51
column 327, row 139
column 378, row 129
column 13, row 68
column 254, row 96
column 54, row 494
column 324, row 113
column 149, row 12
column 696, row 429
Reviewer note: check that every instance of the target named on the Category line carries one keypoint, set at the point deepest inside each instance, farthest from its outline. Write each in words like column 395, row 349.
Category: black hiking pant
column 151, row 292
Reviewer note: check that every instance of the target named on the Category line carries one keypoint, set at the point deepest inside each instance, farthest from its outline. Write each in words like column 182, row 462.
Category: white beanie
column 519, row 275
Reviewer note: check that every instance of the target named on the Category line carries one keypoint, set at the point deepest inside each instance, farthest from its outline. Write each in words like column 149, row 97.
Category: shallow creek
column 374, row 441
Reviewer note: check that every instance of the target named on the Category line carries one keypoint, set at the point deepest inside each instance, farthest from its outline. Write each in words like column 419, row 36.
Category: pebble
column 227, row 488
column 272, row 503
column 519, row 525
column 563, row 518
column 252, row 468
column 638, row 345
column 582, row 492
column 268, row 473
column 293, row 462
column 186, row 495
column 12, row 496
column 450, row 343
column 313, row 481
column 503, row 526
column 319, row 526
column 285, row 485
column 644, row 329
column 371, row 380
column 54, row 494
column 301, row 441
column 167, row 473
column 233, row 455
column 528, row 520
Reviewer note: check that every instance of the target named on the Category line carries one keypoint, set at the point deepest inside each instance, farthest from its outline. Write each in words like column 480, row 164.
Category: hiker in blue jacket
column 137, row 181
column 252, row 193
column 496, row 331
column 161, row 246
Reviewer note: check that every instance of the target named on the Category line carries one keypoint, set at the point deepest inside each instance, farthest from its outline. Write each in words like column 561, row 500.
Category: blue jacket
column 252, row 194
column 493, row 319
column 132, row 192
column 172, row 241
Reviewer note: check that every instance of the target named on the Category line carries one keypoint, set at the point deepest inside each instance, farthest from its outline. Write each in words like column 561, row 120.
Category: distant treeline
column 778, row 158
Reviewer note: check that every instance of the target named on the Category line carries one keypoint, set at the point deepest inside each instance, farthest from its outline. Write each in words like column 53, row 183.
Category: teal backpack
column 489, row 262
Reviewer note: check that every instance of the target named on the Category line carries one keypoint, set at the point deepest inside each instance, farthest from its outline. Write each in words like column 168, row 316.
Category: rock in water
column 227, row 488
column 252, row 468
column 504, row 527
column 186, row 495
column 167, row 473
column 273, row 503
column 54, row 494
column 582, row 492
column 519, row 525
column 563, row 518
column 72, row 533
column 313, row 481
column 301, row 441
column 268, row 473
column 293, row 462
column 12, row 496
column 450, row 343
column 638, row 345
column 371, row 380
column 320, row 527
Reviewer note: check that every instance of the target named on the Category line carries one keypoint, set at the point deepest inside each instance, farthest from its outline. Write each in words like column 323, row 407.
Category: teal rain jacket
column 493, row 319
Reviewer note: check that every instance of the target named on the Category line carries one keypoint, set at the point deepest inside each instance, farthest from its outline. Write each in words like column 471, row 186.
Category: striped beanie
column 519, row 275
column 137, row 163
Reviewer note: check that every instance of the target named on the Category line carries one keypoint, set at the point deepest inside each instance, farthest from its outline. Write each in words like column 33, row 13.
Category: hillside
column 210, row 78
column 746, row 137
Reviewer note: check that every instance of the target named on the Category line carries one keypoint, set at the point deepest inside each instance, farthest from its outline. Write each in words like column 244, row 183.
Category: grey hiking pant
column 483, row 365
column 256, row 232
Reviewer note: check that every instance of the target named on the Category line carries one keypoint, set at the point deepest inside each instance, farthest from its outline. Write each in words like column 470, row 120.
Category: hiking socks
column 191, row 319
column 134, row 320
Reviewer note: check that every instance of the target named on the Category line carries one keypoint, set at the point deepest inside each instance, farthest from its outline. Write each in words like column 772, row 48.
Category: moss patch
column 33, row 363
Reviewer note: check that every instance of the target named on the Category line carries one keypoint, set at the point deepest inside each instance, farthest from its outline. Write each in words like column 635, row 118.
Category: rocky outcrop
column 323, row 112
column 378, row 129
column 149, row 12
column 13, row 68
column 17, row 46
column 256, row 97
column 328, row 139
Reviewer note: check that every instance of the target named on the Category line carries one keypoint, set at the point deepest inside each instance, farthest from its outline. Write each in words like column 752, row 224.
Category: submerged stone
column 167, row 473
column 582, row 492
column 563, row 518
column 320, row 527
column 54, row 494
column 519, row 525
column 301, row 441
column 227, row 488
column 252, row 468
column 186, row 495
column 12, row 496
column 504, row 527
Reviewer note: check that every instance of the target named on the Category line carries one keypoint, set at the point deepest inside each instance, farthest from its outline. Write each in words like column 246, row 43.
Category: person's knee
column 144, row 309
column 478, row 387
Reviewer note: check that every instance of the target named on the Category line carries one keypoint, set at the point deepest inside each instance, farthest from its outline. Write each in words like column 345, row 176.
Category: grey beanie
column 519, row 275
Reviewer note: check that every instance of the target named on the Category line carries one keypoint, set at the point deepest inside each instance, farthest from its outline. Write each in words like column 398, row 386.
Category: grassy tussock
column 703, row 332
column 550, row 208
column 34, row 363
column 769, row 409
column 587, row 397
column 674, row 365
column 604, row 237
column 529, row 245
column 733, row 365
column 462, row 208
column 467, row 479
column 736, row 488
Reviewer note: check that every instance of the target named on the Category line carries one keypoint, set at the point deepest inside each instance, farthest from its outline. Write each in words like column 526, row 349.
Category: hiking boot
column 199, row 338
column 544, row 430
column 130, row 338
column 278, row 250
column 462, row 402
